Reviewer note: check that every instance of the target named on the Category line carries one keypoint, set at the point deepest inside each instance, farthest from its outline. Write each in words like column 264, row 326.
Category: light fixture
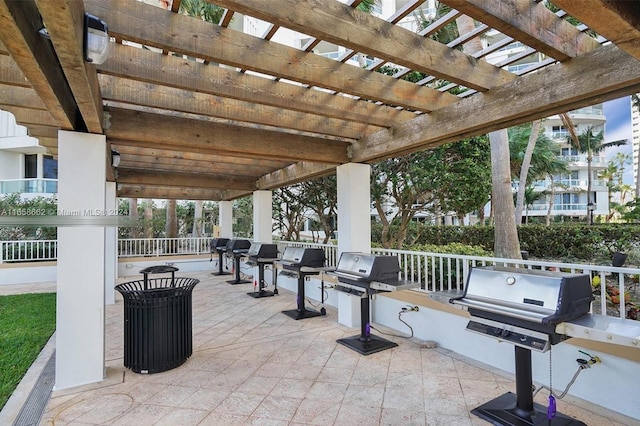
column 96, row 39
column 115, row 158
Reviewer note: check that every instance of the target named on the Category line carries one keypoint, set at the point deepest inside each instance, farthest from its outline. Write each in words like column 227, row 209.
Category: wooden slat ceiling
column 207, row 112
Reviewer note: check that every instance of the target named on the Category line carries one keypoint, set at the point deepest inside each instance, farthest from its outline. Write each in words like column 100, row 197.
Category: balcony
column 29, row 186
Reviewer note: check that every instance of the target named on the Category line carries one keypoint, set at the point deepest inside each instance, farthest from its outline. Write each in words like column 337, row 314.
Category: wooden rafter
column 337, row 23
column 19, row 30
column 512, row 104
column 172, row 193
column 220, row 138
column 65, row 24
column 169, row 98
column 616, row 20
column 217, row 44
column 192, row 180
column 531, row 23
column 148, row 66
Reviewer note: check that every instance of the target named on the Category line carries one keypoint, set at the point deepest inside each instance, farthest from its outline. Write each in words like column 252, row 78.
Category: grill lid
column 368, row 267
column 237, row 245
column 263, row 251
column 541, row 297
column 218, row 244
column 301, row 256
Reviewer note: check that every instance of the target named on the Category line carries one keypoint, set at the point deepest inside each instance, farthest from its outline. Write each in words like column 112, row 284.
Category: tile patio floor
column 252, row 364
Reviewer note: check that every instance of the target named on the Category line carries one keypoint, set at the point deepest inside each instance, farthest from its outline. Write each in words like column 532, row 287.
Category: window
column 30, row 166
column 50, row 166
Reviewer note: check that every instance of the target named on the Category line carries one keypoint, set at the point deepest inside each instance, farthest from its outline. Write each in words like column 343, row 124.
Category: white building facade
column 25, row 167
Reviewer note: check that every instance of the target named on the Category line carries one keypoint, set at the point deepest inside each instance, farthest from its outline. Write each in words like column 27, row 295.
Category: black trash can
column 157, row 321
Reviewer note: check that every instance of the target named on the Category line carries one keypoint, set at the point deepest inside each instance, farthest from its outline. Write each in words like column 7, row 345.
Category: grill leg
column 524, row 381
column 301, row 312
column 366, row 343
column 261, row 291
column 519, row 409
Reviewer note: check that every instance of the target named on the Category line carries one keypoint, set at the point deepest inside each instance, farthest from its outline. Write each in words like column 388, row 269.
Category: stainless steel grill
column 260, row 255
column 299, row 263
column 365, row 275
column 219, row 245
column 522, row 307
column 237, row 248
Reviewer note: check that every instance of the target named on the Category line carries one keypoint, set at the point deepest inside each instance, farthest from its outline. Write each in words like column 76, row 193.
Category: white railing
column 28, row 251
column 140, row 247
column 29, row 186
column 433, row 271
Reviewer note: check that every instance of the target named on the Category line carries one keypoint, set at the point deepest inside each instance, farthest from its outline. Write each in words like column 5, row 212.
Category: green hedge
column 574, row 242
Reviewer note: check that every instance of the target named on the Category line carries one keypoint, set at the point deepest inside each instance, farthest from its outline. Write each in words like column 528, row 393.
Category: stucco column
column 111, row 245
column 226, row 219
column 354, row 227
column 81, row 261
column 262, row 216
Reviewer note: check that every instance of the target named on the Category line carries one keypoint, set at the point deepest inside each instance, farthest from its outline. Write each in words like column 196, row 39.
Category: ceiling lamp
column 96, row 39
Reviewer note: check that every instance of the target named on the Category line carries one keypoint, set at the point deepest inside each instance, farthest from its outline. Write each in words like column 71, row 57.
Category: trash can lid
column 158, row 269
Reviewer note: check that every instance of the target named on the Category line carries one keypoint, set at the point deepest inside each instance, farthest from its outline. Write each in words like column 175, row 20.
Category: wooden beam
column 185, row 166
column 600, row 75
column 294, row 173
column 11, row 74
column 65, row 23
column 19, row 25
column 221, row 138
column 38, row 131
column 616, row 20
column 134, row 92
column 530, row 23
column 184, row 180
column 28, row 116
column 172, row 193
column 181, row 155
column 21, row 97
column 340, row 24
column 146, row 24
column 151, row 67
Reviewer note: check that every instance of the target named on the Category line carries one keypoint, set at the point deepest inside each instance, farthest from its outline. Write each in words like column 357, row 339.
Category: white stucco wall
column 10, row 165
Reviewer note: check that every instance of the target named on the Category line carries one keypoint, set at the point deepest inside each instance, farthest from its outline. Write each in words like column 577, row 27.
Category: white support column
column 226, row 219
column 262, row 216
column 111, row 246
column 40, row 171
column 81, row 261
column 354, row 207
column 354, row 227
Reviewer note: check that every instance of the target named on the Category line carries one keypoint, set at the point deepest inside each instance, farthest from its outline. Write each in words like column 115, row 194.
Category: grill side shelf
column 602, row 328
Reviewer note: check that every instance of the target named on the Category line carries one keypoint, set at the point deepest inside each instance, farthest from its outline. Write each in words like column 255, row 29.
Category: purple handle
column 551, row 411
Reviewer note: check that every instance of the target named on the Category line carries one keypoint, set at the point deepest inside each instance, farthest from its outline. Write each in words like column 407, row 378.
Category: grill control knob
column 523, row 338
column 505, row 333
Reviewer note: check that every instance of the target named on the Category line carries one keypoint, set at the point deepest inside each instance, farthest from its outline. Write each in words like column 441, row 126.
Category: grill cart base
column 519, row 409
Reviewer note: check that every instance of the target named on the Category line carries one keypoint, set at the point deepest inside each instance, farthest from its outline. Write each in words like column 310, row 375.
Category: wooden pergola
column 215, row 129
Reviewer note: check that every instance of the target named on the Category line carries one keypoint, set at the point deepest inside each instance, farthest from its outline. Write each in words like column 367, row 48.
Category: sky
column 617, row 127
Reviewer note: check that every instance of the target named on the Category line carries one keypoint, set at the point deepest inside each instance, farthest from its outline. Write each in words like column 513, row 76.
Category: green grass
column 26, row 323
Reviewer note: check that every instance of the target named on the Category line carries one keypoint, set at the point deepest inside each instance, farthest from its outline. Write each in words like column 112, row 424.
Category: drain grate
column 33, row 408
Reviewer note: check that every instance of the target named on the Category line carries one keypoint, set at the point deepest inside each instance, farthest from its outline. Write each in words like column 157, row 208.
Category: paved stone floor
column 254, row 365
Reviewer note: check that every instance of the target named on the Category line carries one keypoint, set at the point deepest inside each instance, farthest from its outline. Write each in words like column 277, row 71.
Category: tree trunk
column 148, row 219
column 524, row 169
column 133, row 215
column 197, row 219
column 551, row 196
column 171, row 227
column 507, row 244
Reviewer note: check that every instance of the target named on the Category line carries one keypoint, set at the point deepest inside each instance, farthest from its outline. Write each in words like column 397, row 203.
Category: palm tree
column 533, row 157
column 201, row 9
column 592, row 143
